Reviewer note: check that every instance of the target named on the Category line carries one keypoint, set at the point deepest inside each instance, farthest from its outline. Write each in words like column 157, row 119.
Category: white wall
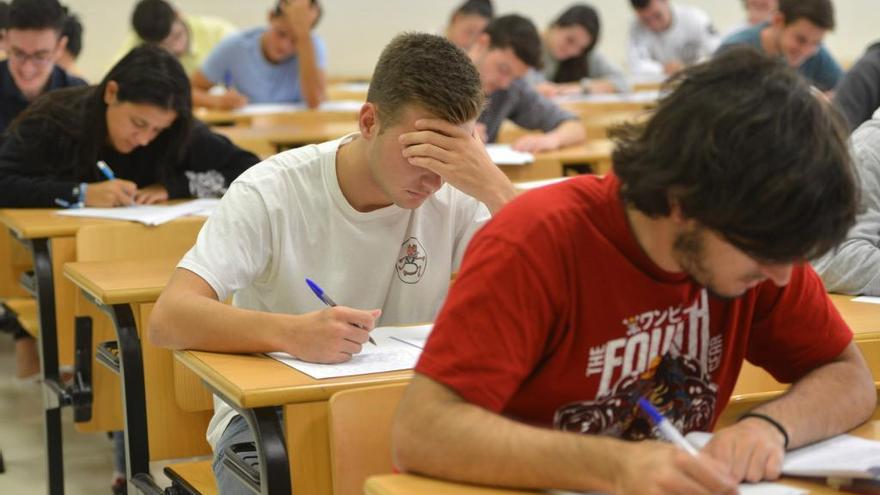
column 356, row 30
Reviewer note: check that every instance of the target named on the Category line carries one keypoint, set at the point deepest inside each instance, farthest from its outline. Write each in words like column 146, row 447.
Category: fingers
column 428, row 151
column 441, row 126
column 363, row 319
column 707, row 473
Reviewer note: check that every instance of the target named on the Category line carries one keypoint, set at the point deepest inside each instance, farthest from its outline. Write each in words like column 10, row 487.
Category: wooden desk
column 278, row 114
column 594, row 154
column 406, row 484
column 158, row 428
column 265, row 141
column 254, row 385
column 50, row 240
column 592, row 105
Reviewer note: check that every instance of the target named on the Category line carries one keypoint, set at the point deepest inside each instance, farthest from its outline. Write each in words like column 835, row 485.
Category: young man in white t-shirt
column 368, row 217
column 666, row 37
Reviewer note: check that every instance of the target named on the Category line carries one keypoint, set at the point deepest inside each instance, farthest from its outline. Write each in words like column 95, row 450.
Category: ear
column 62, row 44
column 368, row 120
column 778, row 21
column 675, row 212
column 110, row 92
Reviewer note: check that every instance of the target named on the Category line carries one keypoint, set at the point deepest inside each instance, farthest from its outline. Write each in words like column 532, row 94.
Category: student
column 571, row 62
column 795, row 34
column 342, row 213
column 34, row 44
column 281, row 63
column 190, row 38
column 667, row 37
column 854, row 267
column 468, row 21
column 654, row 281
column 73, row 31
column 503, row 54
column 138, row 120
column 858, row 94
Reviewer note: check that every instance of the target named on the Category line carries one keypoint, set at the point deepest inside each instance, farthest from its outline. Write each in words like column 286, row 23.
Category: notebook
column 146, row 214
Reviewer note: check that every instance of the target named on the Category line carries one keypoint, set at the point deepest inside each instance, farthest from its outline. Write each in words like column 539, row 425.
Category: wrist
column 770, row 424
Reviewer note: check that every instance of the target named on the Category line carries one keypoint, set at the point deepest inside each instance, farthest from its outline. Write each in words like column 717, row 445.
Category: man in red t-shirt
column 655, row 281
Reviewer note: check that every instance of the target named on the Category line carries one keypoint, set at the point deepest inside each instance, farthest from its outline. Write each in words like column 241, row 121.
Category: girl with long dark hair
column 138, row 120
column 571, row 62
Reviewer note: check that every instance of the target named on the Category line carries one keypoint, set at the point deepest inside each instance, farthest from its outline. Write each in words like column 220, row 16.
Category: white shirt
column 689, row 39
column 286, row 219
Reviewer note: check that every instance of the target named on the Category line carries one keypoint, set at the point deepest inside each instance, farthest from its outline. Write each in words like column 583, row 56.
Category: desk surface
column 122, row 282
column 405, row 484
column 254, row 380
column 290, row 134
column 863, row 318
column 38, row 223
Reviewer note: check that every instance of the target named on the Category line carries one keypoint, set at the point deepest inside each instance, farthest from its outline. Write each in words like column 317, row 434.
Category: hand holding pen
column 656, row 467
column 326, row 300
column 112, row 192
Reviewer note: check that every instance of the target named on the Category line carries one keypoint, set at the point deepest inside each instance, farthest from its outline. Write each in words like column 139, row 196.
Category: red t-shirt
column 558, row 318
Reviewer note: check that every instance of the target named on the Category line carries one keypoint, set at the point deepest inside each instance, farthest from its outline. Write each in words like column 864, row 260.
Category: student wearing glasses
column 279, row 63
column 34, row 43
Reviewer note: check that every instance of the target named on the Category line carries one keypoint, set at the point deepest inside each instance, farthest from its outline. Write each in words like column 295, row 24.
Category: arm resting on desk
column 438, row 433
column 188, row 315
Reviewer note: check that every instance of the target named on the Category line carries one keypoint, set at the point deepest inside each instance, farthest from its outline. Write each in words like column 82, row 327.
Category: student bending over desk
column 281, row 63
column 368, row 217
column 655, row 281
column 138, row 121
column 503, row 55
column 468, row 21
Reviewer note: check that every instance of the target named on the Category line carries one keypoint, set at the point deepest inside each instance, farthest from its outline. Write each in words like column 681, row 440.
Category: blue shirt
column 821, row 68
column 241, row 57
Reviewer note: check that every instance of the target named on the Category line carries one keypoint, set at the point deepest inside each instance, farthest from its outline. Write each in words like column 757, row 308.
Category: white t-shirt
column 689, row 39
column 286, row 219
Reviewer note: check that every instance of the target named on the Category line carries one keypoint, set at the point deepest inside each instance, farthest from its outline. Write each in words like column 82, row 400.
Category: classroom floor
column 88, row 458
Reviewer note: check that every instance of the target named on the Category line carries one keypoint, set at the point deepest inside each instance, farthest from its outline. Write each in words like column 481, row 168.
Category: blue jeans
column 237, row 431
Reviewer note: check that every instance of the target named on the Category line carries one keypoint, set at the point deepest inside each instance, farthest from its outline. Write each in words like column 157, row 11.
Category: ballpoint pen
column 326, row 299
column 106, row 170
column 667, row 429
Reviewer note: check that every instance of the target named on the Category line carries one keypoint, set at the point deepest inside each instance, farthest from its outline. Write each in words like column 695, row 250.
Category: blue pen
column 326, row 299
column 227, row 79
column 667, row 429
column 106, row 170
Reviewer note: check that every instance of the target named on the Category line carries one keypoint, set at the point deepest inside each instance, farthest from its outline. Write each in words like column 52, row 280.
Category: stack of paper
column 146, row 214
column 397, row 348
column 504, row 154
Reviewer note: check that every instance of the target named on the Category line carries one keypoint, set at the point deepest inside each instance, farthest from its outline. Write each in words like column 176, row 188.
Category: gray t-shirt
column 522, row 104
column 854, row 268
column 858, row 94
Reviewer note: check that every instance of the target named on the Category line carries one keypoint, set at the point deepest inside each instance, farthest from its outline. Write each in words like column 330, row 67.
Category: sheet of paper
column 394, row 350
column 254, row 109
column 534, row 184
column 867, row 299
column 145, row 214
column 744, row 489
column 503, row 154
column 636, row 97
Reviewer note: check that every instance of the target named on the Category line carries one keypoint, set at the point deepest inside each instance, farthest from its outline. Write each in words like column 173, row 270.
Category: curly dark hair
column 744, row 146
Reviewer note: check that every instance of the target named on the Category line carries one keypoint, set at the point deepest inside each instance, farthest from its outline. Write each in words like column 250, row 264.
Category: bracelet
column 769, row 420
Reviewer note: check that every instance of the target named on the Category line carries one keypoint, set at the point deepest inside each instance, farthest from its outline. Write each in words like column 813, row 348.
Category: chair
column 360, row 435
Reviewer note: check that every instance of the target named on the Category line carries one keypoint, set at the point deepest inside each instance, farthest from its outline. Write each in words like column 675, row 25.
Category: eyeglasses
column 40, row 58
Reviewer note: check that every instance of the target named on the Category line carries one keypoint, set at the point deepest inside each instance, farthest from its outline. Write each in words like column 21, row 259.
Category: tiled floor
column 88, row 458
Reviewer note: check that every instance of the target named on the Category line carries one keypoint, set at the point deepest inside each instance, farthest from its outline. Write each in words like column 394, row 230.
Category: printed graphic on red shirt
column 668, row 356
column 411, row 261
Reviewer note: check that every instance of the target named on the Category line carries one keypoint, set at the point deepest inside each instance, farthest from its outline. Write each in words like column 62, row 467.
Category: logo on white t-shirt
column 411, row 261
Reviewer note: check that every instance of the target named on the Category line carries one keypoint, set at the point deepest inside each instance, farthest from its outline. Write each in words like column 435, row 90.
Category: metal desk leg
column 49, row 361
column 269, row 438
column 134, row 409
